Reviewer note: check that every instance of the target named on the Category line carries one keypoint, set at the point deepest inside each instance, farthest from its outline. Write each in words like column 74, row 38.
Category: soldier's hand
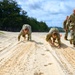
column 59, row 46
column 52, row 44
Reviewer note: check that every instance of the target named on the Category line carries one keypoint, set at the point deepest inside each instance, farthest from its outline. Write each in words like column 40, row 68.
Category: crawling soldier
column 26, row 30
column 52, row 36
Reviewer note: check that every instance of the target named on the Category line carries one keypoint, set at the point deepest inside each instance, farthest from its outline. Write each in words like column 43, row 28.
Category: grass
column 1, row 32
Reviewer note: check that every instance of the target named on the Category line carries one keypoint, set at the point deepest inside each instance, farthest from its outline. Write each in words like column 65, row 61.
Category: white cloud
column 53, row 12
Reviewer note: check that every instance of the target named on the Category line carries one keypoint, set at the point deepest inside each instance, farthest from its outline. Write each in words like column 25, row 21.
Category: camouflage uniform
column 66, row 29
column 23, row 34
column 49, row 35
column 72, row 28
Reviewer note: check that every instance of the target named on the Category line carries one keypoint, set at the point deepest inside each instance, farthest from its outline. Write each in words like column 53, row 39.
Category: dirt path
column 34, row 57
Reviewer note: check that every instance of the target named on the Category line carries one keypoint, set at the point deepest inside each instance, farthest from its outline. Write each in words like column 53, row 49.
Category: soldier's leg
column 72, row 34
column 66, row 34
column 74, row 40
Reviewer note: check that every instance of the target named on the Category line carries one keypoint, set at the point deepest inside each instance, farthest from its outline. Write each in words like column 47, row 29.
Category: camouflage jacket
column 71, row 23
column 49, row 35
column 64, row 24
column 24, row 27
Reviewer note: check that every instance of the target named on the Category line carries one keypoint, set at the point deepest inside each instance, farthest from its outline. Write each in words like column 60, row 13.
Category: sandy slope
column 35, row 57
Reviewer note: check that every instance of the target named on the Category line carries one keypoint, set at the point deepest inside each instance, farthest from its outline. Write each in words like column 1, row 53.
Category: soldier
column 71, row 25
column 26, row 30
column 65, row 27
column 72, row 28
column 52, row 36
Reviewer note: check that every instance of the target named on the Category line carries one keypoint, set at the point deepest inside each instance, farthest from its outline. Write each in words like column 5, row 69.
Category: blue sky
column 53, row 12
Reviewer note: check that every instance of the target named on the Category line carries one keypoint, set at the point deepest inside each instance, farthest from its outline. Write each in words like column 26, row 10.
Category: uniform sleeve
column 68, row 22
column 71, row 18
column 48, row 37
column 19, row 36
column 64, row 24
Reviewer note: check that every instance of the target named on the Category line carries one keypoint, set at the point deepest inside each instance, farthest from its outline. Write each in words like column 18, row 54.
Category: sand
column 35, row 57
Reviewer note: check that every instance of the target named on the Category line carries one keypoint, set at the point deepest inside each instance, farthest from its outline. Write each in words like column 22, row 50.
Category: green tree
column 12, row 17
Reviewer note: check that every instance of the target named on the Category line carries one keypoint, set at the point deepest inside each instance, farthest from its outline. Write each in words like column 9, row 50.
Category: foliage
column 12, row 17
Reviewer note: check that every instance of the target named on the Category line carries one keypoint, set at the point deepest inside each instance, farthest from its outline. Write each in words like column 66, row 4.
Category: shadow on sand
column 36, row 42
column 63, row 45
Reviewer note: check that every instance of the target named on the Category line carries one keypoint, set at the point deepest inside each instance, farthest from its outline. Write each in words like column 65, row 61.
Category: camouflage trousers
column 66, row 34
column 72, row 37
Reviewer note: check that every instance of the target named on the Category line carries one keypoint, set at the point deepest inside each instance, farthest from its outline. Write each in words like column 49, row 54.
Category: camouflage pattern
column 72, row 28
column 65, row 26
column 23, row 34
column 49, row 35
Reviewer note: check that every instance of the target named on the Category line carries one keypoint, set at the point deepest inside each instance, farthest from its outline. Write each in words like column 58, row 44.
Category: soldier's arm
column 64, row 24
column 69, row 21
column 59, row 42
column 19, row 36
column 48, row 37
